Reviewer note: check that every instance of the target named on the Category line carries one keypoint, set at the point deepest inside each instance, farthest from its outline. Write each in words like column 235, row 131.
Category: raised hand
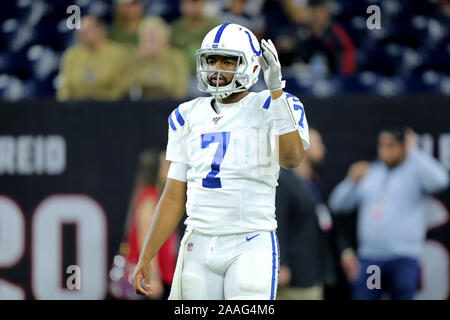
column 271, row 66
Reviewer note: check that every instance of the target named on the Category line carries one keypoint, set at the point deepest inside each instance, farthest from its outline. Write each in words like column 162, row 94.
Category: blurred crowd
column 145, row 49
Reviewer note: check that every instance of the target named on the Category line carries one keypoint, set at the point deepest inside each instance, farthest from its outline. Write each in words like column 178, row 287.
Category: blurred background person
column 390, row 195
column 282, row 16
column 306, row 230
column 189, row 30
column 149, row 183
column 236, row 11
column 159, row 70
column 93, row 68
column 128, row 14
column 324, row 44
column 313, row 38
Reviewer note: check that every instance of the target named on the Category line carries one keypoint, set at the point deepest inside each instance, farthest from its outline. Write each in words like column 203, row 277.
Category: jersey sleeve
column 178, row 171
column 176, row 145
column 299, row 115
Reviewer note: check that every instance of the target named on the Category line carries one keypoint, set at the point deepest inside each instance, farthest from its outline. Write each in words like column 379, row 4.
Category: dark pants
column 399, row 277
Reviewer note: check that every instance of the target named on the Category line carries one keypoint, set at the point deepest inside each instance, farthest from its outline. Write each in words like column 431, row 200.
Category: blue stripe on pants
column 274, row 266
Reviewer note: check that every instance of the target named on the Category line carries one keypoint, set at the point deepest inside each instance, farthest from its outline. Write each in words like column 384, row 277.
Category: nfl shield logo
column 190, row 246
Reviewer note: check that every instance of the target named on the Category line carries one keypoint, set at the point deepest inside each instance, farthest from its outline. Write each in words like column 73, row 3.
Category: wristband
column 283, row 119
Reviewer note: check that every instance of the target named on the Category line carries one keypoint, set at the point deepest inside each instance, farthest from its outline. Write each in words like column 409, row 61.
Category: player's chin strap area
column 175, row 291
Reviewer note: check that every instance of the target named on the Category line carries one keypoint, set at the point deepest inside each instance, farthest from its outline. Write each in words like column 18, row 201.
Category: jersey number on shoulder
column 297, row 107
column 222, row 138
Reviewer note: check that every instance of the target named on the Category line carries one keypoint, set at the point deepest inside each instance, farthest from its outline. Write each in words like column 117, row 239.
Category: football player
column 226, row 151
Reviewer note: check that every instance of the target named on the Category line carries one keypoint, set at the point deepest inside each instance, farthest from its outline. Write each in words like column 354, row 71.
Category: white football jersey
column 232, row 164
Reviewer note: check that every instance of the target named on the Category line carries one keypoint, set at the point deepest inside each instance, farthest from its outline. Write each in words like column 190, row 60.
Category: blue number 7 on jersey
column 215, row 137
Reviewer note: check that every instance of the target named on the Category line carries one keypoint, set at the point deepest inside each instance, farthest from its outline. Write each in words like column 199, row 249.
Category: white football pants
column 231, row 267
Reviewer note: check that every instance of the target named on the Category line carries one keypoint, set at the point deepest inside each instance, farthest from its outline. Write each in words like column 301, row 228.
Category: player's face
column 391, row 151
column 217, row 62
